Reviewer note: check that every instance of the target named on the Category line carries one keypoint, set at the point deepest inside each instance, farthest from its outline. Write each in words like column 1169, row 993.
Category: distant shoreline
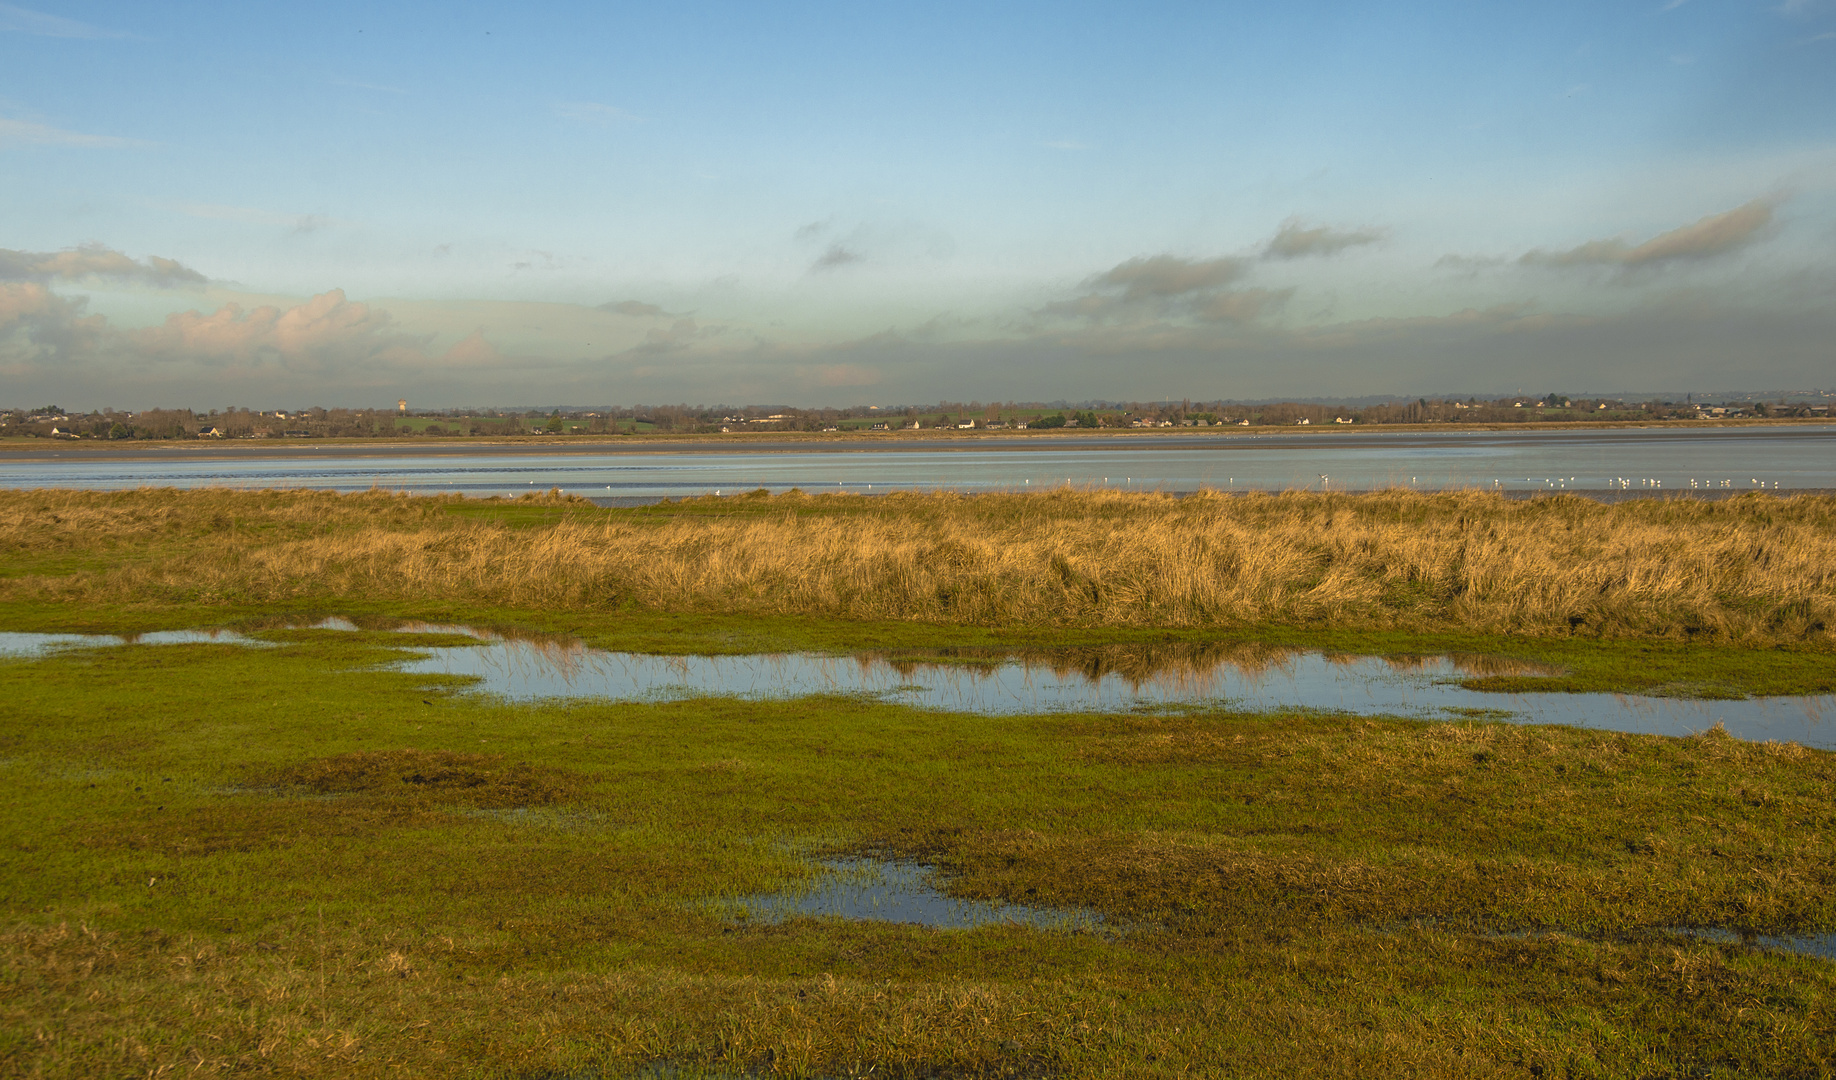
column 804, row 442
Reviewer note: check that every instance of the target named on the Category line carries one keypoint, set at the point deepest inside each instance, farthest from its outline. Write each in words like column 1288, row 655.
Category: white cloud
column 329, row 337
column 95, row 261
column 324, row 329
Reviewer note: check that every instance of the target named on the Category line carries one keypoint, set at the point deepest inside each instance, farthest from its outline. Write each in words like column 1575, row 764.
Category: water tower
column 401, row 406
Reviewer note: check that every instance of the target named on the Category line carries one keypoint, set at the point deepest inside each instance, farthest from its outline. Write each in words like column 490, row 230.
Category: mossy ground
column 291, row 861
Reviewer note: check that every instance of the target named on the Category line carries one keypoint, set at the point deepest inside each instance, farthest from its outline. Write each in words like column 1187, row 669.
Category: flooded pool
column 1245, row 678
column 34, row 646
column 1119, row 678
column 1821, row 946
column 901, row 892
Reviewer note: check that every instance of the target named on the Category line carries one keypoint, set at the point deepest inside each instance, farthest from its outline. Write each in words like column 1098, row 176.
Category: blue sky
column 262, row 204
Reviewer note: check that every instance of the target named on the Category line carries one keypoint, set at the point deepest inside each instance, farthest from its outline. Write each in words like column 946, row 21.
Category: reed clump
column 1754, row 569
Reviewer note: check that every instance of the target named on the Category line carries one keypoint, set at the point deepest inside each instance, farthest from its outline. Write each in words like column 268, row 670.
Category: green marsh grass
column 292, row 861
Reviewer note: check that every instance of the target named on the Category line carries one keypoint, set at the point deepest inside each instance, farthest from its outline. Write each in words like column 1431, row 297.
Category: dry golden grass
column 1750, row 569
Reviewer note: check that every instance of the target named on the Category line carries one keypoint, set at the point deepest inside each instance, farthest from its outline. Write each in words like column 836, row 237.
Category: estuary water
column 1622, row 460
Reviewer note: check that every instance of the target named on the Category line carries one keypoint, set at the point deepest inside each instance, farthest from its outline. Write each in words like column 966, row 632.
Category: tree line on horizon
column 50, row 421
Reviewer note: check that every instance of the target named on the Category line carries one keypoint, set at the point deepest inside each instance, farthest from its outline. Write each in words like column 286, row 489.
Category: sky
column 215, row 204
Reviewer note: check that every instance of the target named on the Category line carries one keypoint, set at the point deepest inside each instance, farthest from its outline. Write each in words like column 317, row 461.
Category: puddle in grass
column 35, row 646
column 1114, row 678
column 1821, row 946
column 900, row 892
column 1247, row 678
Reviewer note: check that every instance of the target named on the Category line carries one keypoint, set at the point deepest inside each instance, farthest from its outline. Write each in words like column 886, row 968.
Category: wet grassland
column 298, row 859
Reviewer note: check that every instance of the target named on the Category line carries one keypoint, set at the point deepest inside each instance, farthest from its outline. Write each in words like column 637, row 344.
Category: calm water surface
column 1643, row 459
column 1095, row 679
column 1114, row 678
column 33, row 646
column 886, row 891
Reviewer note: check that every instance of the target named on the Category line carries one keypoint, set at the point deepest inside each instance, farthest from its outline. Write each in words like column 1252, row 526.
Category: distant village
column 403, row 422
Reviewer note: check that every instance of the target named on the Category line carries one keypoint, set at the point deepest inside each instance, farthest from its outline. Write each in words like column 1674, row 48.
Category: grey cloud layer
column 835, row 256
column 1165, row 276
column 37, row 321
column 1717, row 234
column 95, row 261
column 1156, row 288
column 1295, row 240
column 1161, row 286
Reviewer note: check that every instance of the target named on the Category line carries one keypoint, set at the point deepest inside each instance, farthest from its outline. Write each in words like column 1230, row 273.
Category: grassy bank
column 1754, row 570
column 285, row 860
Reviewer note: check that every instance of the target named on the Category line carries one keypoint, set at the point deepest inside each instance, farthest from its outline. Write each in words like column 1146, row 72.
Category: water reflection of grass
column 297, row 860
column 1491, row 664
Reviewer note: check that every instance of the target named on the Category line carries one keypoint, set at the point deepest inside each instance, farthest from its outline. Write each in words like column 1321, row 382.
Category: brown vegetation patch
column 359, row 794
column 479, row 780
